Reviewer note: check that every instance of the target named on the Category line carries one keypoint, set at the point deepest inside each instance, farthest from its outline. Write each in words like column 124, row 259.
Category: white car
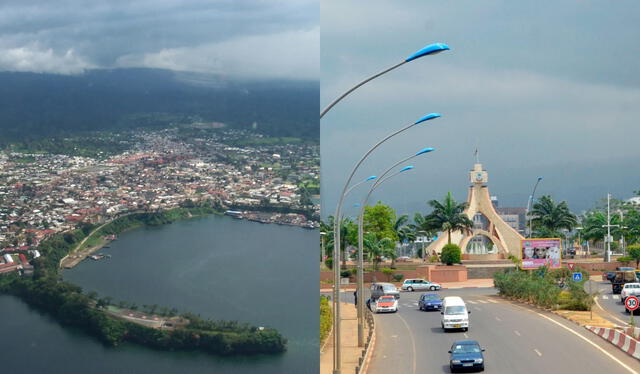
column 630, row 289
column 385, row 304
column 419, row 285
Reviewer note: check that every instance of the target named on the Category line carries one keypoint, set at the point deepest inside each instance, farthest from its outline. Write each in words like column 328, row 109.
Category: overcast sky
column 248, row 38
column 541, row 88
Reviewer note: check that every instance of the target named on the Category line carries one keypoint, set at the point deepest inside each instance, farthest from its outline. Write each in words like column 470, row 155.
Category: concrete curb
column 369, row 350
column 621, row 340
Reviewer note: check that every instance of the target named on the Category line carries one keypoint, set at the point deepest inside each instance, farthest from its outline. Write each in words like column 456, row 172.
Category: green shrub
column 329, row 262
column 325, row 318
column 625, row 259
column 451, row 254
column 542, row 287
column 434, row 258
column 345, row 273
column 388, row 272
column 398, row 277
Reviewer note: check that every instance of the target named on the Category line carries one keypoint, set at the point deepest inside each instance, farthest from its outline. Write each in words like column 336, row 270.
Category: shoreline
column 76, row 256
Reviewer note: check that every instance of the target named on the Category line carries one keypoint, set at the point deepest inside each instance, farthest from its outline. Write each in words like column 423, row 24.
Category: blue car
column 466, row 355
column 430, row 301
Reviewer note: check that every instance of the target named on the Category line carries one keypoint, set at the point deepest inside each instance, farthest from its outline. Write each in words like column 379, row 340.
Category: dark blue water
column 216, row 266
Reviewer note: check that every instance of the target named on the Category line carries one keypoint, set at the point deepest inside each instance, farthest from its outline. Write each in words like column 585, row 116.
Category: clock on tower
column 477, row 175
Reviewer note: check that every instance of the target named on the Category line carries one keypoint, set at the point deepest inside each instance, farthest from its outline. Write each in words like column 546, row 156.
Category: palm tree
column 593, row 226
column 421, row 227
column 377, row 248
column 448, row 216
column 348, row 235
column 550, row 218
column 403, row 231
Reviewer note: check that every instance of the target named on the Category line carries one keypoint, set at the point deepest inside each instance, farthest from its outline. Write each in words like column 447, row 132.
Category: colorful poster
column 540, row 252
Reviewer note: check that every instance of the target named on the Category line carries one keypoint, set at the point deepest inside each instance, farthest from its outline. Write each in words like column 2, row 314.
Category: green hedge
column 554, row 289
column 325, row 318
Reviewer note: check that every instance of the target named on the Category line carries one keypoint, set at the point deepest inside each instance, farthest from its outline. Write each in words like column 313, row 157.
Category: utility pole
column 607, row 255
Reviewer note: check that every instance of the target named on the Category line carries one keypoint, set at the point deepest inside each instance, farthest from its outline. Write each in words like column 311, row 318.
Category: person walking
column 355, row 297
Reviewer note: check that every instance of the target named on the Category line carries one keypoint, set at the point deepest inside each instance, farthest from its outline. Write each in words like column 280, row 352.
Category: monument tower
column 488, row 223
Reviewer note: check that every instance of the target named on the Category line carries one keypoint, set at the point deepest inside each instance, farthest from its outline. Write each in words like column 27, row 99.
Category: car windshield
column 458, row 309
column 387, row 298
column 466, row 348
column 389, row 287
column 431, row 297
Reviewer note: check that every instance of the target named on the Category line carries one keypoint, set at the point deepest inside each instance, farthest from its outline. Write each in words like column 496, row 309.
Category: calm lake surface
column 215, row 266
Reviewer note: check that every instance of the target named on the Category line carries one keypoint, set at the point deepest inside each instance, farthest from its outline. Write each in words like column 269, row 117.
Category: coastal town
column 248, row 175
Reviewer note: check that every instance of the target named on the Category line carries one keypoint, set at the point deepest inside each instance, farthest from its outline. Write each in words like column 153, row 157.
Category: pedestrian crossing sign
column 577, row 277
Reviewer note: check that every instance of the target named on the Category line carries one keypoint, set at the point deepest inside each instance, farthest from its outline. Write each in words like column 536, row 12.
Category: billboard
column 540, row 252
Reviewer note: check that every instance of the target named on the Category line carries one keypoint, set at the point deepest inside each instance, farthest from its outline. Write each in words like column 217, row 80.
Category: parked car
column 454, row 314
column 466, row 354
column 419, row 284
column 430, row 301
column 385, row 304
column 383, row 289
column 630, row 289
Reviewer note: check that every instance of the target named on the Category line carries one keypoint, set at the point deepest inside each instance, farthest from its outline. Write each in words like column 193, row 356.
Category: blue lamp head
column 425, row 150
column 539, row 179
column 371, row 178
column 406, row 168
column 431, row 49
column 428, row 117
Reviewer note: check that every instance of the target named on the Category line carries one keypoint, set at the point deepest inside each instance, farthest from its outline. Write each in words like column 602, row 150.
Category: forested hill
column 34, row 105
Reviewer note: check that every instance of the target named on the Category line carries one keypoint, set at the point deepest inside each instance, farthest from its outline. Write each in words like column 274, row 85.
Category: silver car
column 419, row 285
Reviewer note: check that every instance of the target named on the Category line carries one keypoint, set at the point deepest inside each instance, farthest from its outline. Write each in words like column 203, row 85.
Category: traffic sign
column 571, row 265
column 577, row 277
column 631, row 303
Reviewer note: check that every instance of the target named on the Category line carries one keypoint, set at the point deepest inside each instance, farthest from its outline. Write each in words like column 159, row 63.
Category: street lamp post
column 322, row 234
column 360, row 266
column 336, row 241
column 530, row 204
column 431, row 49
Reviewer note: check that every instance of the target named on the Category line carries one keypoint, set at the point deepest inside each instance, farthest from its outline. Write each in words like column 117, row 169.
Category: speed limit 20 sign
column 631, row 303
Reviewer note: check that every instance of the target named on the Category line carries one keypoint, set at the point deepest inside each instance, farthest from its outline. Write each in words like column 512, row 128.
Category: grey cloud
column 102, row 33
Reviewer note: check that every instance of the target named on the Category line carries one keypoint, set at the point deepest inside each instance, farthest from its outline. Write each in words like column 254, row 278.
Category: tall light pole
column 530, row 204
column 431, row 49
column 608, row 239
column 336, row 241
column 360, row 266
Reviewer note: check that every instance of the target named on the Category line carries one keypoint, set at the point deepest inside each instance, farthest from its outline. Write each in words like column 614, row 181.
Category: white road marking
column 484, row 301
column 493, row 301
column 583, row 338
column 394, row 336
column 616, row 297
column 538, row 352
column 466, row 336
column 413, row 343
column 498, row 319
column 610, row 315
column 471, row 302
column 605, row 297
column 517, row 332
column 476, row 308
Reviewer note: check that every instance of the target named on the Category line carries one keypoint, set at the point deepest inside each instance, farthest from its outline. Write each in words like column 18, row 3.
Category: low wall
column 486, row 257
column 485, row 272
column 443, row 273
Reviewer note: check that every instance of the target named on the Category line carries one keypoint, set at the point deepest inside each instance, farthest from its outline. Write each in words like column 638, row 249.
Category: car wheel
column 466, row 329
column 410, row 289
column 432, row 288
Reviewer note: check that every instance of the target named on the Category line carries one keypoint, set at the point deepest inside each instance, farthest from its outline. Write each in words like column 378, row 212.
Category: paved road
column 611, row 303
column 517, row 340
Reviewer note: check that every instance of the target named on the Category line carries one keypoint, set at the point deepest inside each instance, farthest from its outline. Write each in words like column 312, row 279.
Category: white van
column 454, row 314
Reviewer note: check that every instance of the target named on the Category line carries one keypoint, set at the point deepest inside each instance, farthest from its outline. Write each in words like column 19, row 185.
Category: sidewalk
column 349, row 339
column 471, row 283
